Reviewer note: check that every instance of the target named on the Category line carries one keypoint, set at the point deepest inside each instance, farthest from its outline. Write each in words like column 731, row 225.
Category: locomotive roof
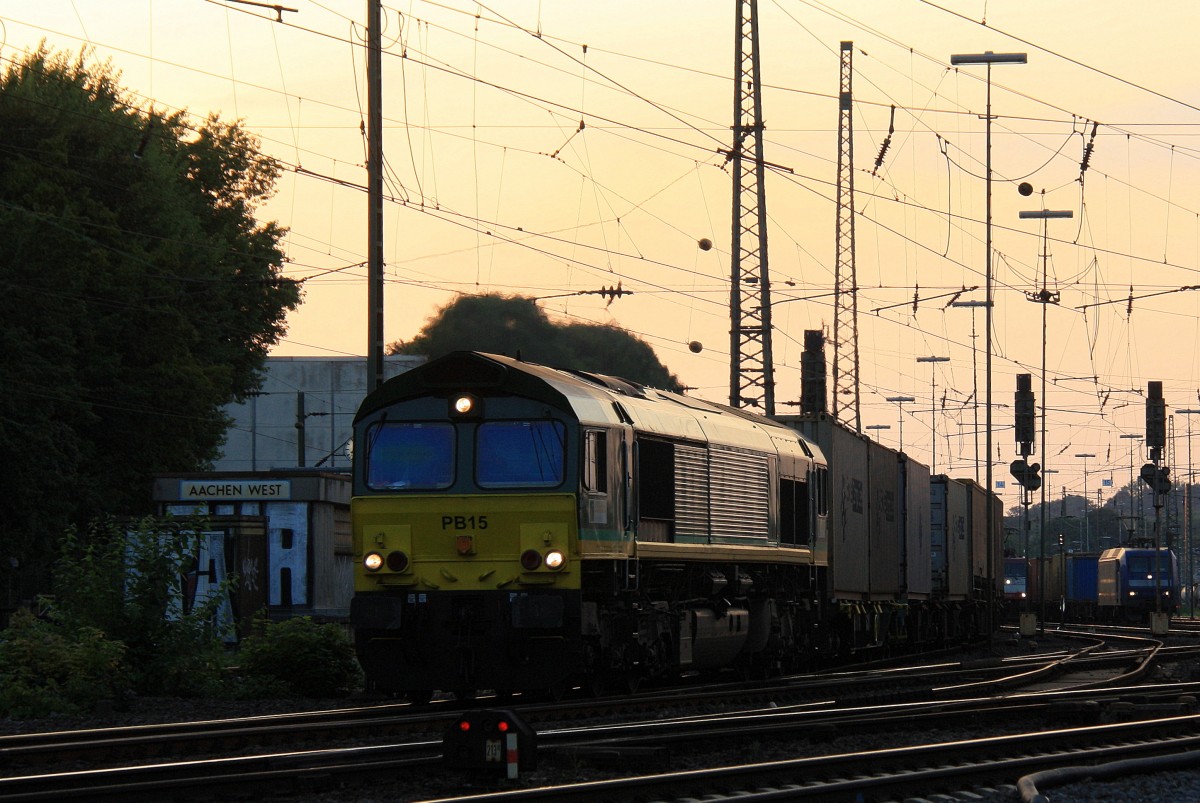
column 593, row 398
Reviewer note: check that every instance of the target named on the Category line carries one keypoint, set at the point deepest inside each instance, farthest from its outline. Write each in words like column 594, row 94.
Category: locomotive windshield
column 414, row 456
column 1141, row 571
column 523, row 454
column 411, row 456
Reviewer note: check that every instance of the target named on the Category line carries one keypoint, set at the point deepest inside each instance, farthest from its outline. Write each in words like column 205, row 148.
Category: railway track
column 382, row 741
column 922, row 770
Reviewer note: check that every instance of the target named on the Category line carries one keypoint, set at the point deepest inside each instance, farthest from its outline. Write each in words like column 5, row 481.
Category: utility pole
column 374, row 196
column 1044, row 297
column 302, row 416
column 845, row 292
column 750, row 359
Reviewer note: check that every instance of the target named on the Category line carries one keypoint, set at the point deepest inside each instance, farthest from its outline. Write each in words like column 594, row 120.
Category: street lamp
column 901, row 400
column 933, row 411
column 988, row 58
column 878, row 427
column 1086, row 534
column 1187, row 515
column 1132, row 437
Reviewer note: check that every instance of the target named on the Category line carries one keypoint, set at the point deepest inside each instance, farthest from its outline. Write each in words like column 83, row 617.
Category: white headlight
column 373, row 561
column 555, row 559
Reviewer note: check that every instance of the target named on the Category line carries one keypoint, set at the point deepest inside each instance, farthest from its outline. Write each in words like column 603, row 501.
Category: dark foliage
column 118, row 623
column 518, row 326
column 298, row 657
column 139, row 295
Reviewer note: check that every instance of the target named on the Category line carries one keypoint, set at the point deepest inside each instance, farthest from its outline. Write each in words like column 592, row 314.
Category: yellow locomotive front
column 465, row 525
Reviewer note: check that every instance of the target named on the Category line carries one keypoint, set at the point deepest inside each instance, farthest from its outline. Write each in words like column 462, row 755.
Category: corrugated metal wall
column 691, row 492
column 740, row 493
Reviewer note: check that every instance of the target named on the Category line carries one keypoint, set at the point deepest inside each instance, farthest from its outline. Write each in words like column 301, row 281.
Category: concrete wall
column 264, row 435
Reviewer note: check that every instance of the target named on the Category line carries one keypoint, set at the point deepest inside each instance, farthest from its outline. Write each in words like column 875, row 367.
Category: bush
column 116, row 624
column 47, row 667
column 298, row 657
column 127, row 582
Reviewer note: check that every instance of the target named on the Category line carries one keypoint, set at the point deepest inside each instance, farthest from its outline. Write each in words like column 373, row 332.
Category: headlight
column 555, row 559
column 373, row 562
column 397, row 561
column 465, row 405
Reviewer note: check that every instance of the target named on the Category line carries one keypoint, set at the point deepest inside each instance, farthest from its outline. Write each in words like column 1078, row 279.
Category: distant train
column 517, row 527
column 1121, row 584
column 1020, row 581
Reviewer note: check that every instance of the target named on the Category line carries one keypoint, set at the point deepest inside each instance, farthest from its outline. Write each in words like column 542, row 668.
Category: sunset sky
column 552, row 147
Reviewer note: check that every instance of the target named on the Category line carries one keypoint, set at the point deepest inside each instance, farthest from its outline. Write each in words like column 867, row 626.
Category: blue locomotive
column 1137, row 581
column 1122, row 584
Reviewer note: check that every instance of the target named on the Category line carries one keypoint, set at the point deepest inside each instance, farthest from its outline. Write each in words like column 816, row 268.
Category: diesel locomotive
column 518, row 527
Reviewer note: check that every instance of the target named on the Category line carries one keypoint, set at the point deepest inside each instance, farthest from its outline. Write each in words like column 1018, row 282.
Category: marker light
column 502, row 726
column 373, row 561
column 463, row 405
column 555, row 559
column 530, row 560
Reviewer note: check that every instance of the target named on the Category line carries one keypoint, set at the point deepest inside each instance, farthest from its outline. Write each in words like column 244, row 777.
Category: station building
column 276, row 507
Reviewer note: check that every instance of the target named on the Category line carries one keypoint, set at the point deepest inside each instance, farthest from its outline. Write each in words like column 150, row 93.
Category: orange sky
column 496, row 187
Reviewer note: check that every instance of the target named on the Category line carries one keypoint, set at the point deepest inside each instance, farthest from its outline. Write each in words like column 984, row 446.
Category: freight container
column 849, row 498
column 915, row 514
column 886, row 524
column 984, row 570
column 950, row 554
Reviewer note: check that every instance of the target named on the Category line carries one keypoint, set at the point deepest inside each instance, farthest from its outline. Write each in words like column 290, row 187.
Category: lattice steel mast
column 751, row 372
column 845, row 296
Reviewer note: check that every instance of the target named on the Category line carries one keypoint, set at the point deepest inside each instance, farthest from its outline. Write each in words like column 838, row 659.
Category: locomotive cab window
column 520, row 454
column 595, row 461
column 819, row 480
column 794, row 516
column 410, row 456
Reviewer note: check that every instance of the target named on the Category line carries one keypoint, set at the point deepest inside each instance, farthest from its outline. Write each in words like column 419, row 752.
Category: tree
column 515, row 325
column 138, row 292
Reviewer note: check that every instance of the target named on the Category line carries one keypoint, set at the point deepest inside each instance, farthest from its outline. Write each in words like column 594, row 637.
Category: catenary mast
column 751, row 376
